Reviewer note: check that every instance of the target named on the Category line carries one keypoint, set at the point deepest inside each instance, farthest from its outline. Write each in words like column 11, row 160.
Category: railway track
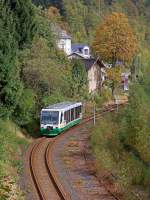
column 42, row 178
column 42, row 170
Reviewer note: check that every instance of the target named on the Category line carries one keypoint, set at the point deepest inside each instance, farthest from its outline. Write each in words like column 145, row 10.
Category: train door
column 61, row 119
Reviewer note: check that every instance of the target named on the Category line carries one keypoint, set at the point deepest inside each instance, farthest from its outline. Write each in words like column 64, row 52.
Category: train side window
column 65, row 116
column 72, row 114
column 80, row 109
column 69, row 115
column 76, row 112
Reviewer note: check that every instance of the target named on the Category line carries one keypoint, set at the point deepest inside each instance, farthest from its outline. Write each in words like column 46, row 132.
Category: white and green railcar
column 59, row 117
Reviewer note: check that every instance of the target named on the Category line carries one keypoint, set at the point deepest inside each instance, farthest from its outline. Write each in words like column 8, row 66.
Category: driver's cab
column 49, row 119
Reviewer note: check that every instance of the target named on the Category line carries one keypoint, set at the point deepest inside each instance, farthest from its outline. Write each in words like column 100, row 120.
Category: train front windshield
column 49, row 117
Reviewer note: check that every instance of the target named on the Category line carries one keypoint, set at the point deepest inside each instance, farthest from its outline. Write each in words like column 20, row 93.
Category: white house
column 95, row 67
column 64, row 42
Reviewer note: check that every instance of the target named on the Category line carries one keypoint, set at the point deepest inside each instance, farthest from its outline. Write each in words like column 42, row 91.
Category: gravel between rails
column 73, row 169
column 40, row 171
column 76, row 178
column 30, row 189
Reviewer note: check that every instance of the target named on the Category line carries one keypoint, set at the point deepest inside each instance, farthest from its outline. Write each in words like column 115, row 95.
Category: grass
column 12, row 146
column 128, row 170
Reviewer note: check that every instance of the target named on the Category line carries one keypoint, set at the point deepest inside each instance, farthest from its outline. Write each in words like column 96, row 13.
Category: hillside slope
column 82, row 16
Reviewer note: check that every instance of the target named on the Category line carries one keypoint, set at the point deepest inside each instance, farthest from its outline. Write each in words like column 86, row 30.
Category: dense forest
column 30, row 78
column 84, row 15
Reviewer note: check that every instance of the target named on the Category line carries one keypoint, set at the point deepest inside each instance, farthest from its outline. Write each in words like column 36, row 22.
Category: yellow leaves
column 9, row 189
column 114, row 74
column 114, row 39
column 53, row 12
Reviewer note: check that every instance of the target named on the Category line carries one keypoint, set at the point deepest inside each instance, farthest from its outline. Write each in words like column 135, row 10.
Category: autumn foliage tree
column 115, row 39
column 114, row 78
column 53, row 14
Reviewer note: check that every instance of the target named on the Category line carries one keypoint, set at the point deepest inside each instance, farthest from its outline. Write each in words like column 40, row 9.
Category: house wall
column 65, row 44
column 93, row 78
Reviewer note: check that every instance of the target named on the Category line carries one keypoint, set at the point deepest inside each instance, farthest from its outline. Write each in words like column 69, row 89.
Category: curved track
column 42, row 179
column 42, row 170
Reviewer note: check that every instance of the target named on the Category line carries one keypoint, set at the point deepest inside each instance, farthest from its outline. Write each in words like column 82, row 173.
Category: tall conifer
column 10, row 85
column 23, row 15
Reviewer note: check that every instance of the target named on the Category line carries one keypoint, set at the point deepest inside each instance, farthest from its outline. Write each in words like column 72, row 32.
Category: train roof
column 62, row 106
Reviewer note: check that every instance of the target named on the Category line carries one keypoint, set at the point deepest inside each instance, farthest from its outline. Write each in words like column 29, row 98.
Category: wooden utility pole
column 94, row 118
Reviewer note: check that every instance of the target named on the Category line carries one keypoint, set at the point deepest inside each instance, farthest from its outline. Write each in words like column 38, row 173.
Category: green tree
column 10, row 85
column 45, row 3
column 131, row 8
column 79, row 78
column 23, row 13
column 44, row 28
column 114, row 78
column 41, row 72
column 135, row 68
column 25, row 109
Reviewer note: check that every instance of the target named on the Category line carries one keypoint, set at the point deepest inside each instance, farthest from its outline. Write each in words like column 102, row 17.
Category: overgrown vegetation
column 12, row 146
column 80, row 80
column 34, row 73
column 121, row 141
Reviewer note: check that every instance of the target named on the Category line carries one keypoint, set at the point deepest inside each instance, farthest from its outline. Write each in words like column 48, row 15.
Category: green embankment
column 33, row 74
column 12, row 146
column 121, row 143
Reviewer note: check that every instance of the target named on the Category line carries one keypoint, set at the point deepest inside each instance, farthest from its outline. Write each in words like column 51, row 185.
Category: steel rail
column 64, row 195
column 33, row 174
column 49, row 154
column 52, row 173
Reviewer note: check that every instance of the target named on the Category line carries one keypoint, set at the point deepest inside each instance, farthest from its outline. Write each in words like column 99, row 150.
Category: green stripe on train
column 57, row 131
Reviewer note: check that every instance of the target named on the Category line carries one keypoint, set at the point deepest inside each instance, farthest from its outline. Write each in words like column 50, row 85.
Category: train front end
column 49, row 123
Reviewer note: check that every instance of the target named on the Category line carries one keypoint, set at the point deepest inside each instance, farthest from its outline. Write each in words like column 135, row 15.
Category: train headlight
column 49, row 128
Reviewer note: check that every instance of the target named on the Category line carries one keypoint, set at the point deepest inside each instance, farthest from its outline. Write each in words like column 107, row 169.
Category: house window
column 62, row 45
column 72, row 114
column 86, row 52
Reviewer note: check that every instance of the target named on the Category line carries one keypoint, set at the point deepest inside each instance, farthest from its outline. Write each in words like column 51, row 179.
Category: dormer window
column 81, row 49
column 86, row 52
